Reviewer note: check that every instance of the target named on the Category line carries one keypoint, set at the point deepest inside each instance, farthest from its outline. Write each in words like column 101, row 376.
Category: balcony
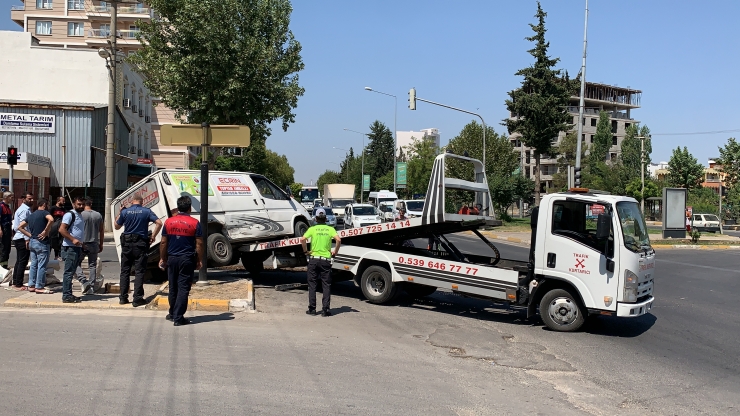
column 98, row 33
column 17, row 14
column 134, row 10
column 128, row 34
column 103, row 12
column 17, row 8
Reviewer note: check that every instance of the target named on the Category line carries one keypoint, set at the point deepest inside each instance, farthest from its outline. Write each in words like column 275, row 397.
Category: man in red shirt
column 181, row 252
column 6, row 228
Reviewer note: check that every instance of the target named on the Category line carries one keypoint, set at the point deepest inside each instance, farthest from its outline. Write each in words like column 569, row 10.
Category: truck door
column 574, row 254
column 280, row 207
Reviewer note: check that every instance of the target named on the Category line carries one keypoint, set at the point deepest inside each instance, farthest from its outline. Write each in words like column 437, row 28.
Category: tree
column 630, row 151
column 501, row 163
column 278, row 169
column 295, row 189
column 538, row 107
column 567, row 157
column 222, row 61
column 729, row 161
column 328, row 176
column 684, row 171
column 379, row 154
column 703, row 200
column 634, row 189
column 421, row 155
column 602, row 142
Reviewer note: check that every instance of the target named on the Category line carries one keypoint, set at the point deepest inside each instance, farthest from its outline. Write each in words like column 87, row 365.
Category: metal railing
column 98, row 33
column 99, row 9
column 128, row 34
column 18, row 8
column 133, row 10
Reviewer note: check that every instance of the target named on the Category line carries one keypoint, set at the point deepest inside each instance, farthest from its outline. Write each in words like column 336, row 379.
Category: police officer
column 135, row 244
column 319, row 261
column 181, row 252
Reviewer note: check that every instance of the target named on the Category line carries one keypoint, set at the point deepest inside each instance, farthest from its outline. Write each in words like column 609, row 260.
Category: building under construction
column 616, row 101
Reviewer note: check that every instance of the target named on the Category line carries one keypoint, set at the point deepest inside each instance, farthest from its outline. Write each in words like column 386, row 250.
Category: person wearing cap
column 319, row 261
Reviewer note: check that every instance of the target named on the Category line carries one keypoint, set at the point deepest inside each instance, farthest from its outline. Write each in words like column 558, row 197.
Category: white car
column 706, row 222
column 360, row 215
column 387, row 211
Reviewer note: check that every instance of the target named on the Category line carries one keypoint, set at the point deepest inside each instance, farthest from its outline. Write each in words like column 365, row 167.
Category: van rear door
column 153, row 193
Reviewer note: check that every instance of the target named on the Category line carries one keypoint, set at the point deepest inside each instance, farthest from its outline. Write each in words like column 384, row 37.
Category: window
column 76, row 4
column 528, row 160
column 592, row 138
column 105, row 30
column 614, row 140
column 634, row 230
column 103, row 6
column 43, row 27
column 576, row 220
column 584, row 121
column 593, row 122
column 75, row 29
column 612, row 156
column 43, row 4
column 626, row 126
column 583, row 137
column 268, row 189
column 126, row 95
column 614, row 126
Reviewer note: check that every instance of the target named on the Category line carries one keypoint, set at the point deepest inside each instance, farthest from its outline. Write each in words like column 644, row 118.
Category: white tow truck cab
column 242, row 208
column 590, row 254
column 308, row 195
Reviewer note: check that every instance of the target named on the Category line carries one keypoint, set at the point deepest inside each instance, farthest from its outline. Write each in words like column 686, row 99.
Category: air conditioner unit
column 132, row 150
column 126, row 103
column 141, row 113
column 133, row 108
column 147, row 119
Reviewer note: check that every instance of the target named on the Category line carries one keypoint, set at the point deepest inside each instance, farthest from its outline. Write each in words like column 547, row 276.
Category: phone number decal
column 438, row 265
column 370, row 229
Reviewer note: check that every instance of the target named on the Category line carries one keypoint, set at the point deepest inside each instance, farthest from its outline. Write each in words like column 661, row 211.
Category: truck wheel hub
column 376, row 284
column 563, row 311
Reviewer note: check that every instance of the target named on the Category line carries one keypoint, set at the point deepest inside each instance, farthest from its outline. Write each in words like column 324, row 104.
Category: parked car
column 707, row 223
column 331, row 219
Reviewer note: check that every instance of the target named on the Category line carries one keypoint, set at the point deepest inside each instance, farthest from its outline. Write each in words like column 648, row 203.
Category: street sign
column 192, row 135
column 365, row 183
column 401, row 173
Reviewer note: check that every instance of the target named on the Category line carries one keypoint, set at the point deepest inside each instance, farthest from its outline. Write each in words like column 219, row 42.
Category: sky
column 683, row 55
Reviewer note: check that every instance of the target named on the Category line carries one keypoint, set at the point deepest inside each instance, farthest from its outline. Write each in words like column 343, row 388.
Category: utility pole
column 581, row 104
column 642, row 173
column 110, row 141
column 521, row 171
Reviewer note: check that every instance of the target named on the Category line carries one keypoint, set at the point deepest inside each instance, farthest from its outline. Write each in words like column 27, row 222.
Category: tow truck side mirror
column 603, row 226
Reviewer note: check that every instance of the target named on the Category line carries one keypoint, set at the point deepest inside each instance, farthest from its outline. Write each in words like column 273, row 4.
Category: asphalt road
column 440, row 355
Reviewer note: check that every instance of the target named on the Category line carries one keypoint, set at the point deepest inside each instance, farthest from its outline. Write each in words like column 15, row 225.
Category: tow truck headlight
column 630, row 286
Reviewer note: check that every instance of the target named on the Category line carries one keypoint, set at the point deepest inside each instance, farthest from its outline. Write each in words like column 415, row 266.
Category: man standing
column 135, row 244
column 20, row 242
column 319, row 261
column 73, row 231
column 39, row 224
column 57, row 211
column 180, row 245
column 6, row 227
column 93, row 244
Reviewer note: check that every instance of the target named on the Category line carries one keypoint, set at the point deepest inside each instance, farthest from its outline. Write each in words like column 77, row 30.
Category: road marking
column 701, row 266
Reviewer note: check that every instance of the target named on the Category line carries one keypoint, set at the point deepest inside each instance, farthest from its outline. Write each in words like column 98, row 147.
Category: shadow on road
column 201, row 319
column 611, row 326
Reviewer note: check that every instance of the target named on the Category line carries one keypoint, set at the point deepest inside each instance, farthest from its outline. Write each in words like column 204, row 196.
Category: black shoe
column 169, row 318
column 123, row 302
column 73, row 299
column 311, row 312
column 325, row 313
column 182, row 321
column 138, row 303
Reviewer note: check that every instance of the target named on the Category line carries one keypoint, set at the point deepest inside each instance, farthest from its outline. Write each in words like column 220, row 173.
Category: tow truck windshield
column 634, row 229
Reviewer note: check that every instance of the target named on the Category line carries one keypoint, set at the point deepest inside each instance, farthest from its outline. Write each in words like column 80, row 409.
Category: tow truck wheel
column 416, row 290
column 252, row 264
column 377, row 285
column 219, row 250
column 560, row 311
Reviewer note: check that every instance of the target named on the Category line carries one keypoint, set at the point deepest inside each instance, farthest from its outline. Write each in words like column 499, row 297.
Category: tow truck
column 589, row 254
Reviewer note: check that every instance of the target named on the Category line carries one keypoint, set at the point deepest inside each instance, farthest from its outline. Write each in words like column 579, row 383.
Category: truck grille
column 645, row 287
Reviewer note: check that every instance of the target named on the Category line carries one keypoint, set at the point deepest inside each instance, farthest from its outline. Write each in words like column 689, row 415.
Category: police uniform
column 319, row 264
column 134, row 249
column 181, row 231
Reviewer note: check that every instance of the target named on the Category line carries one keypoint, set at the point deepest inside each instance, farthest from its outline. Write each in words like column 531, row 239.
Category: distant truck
column 337, row 196
column 243, row 208
column 308, row 195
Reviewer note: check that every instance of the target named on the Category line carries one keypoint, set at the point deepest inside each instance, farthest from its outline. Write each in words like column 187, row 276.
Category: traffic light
column 12, row 156
column 577, row 176
column 412, row 99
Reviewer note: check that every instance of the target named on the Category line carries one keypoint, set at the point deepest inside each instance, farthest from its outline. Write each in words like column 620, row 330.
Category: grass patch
column 516, row 224
column 699, row 243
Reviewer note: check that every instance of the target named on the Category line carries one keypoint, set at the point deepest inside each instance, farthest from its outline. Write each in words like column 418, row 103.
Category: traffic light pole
column 10, row 178
column 581, row 105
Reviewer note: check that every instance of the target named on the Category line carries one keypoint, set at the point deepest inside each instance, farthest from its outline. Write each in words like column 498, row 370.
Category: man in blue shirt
column 73, row 231
column 135, row 242
column 20, row 242
column 181, row 252
column 36, row 227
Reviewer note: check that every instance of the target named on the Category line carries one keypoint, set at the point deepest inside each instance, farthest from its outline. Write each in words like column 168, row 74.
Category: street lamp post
column 362, row 170
column 395, row 141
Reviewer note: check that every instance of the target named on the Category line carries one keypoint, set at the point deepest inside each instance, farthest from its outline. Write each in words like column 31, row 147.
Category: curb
column 161, row 303
column 509, row 239
column 697, row 247
column 23, row 303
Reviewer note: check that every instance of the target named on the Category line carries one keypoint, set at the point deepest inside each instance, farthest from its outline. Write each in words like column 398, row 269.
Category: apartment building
column 80, row 23
column 616, row 101
column 405, row 138
column 74, row 24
